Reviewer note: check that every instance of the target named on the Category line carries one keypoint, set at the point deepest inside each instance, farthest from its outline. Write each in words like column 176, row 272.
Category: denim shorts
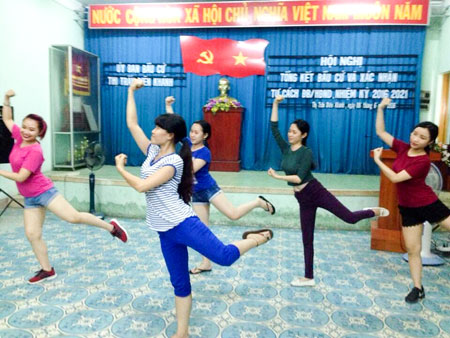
column 42, row 200
column 206, row 195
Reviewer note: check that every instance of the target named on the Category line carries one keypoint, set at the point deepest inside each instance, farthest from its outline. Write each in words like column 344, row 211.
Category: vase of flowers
column 443, row 149
column 221, row 104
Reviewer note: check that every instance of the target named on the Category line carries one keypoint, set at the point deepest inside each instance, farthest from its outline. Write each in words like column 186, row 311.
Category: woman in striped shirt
column 206, row 190
column 167, row 178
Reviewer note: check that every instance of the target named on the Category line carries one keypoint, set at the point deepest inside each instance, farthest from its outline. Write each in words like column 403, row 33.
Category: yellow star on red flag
column 240, row 59
column 223, row 56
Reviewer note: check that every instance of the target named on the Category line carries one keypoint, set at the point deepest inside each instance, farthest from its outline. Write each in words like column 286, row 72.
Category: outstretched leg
column 328, row 201
column 64, row 210
column 193, row 233
column 199, row 237
column 221, row 202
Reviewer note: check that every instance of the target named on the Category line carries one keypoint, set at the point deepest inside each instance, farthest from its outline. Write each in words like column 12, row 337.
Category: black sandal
column 196, row 270
column 258, row 232
column 268, row 205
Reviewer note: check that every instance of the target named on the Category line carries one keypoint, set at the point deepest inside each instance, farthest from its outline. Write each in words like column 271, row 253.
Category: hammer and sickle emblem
column 206, row 57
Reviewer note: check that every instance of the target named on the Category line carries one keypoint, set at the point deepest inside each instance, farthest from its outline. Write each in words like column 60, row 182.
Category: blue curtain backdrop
column 340, row 138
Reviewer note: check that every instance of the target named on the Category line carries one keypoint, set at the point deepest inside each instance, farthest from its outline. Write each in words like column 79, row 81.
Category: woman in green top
column 297, row 163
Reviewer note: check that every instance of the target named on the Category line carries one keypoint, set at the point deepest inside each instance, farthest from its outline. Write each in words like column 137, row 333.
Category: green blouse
column 299, row 162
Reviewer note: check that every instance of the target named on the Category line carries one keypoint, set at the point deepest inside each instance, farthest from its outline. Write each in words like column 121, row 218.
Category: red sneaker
column 118, row 231
column 41, row 275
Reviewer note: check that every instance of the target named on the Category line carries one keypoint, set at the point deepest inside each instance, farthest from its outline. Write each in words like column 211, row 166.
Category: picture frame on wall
column 90, row 117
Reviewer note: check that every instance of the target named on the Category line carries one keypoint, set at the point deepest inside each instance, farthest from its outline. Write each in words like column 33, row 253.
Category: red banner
column 80, row 74
column 223, row 56
column 81, row 84
column 260, row 14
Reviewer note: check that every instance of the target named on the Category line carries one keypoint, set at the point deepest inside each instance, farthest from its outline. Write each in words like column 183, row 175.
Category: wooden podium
column 386, row 232
column 225, row 138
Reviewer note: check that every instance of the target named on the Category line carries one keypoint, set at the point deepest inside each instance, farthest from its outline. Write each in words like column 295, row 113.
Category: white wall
column 430, row 69
column 436, row 62
column 27, row 29
column 444, row 46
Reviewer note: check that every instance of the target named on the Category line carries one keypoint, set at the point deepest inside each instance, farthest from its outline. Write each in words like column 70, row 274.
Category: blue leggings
column 314, row 196
column 194, row 234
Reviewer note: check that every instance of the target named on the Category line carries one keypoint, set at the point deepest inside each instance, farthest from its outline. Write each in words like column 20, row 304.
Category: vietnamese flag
column 223, row 56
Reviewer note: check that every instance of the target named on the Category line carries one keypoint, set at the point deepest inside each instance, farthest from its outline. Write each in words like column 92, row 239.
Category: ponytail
column 174, row 123
column 187, row 179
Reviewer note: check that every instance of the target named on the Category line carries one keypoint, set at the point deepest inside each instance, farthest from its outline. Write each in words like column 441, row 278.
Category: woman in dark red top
column 416, row 201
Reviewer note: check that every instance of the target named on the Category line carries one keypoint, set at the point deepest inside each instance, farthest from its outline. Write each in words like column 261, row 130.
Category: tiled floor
column 243, row 178
column 106, row 288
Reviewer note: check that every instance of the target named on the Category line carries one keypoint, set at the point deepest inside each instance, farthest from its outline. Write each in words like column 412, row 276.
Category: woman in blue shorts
column 206, row 190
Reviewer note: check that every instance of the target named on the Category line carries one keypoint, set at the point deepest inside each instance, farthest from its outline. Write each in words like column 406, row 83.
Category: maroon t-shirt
column 413, row 192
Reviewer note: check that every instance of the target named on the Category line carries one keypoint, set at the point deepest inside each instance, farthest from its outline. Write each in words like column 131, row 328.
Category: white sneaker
column 301, row 281
column 383, row 211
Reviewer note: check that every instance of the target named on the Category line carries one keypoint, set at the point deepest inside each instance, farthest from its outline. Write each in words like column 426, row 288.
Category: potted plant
column 222, row 104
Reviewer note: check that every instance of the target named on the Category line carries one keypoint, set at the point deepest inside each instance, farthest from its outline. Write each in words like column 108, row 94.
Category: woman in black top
column 297, row 163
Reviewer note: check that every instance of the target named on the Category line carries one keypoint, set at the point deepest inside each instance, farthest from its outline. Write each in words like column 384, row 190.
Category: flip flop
column 259, row 232
column 196, row 271
column 268, row 204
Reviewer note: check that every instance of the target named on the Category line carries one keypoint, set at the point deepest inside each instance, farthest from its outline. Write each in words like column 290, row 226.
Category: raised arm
column 132, row 120
column 7, row 111
column 274, row 115
column 379, row 124
column 169, row 102
column 282, row 144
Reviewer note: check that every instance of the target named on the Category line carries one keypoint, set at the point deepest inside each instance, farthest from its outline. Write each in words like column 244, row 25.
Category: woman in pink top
column 26, row 159
column 416, row 201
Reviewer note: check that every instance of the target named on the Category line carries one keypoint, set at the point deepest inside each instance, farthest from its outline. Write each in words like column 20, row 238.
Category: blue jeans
column 206, row 195
column 42, row 200
column 194, row 234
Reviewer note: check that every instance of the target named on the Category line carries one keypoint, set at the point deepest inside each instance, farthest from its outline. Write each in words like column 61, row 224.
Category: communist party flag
column 223, row 56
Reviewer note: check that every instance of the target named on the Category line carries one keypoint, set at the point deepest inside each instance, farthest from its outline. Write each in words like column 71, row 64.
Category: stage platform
column 116, row 199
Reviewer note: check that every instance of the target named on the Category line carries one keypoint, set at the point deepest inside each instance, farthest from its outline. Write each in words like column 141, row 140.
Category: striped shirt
column 165, row 208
